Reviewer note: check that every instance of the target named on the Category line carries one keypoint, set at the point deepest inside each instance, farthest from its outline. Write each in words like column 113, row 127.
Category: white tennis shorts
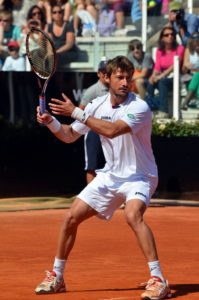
column 105, row 199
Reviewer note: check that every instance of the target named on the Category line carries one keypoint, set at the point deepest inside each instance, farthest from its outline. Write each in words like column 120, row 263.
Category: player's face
column 120, row 82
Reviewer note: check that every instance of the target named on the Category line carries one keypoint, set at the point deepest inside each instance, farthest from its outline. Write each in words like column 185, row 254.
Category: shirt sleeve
column 87, row 96
column 6, row 65
column 148, row 62
column 137, row 117
column 16, row 33
column 192, row 23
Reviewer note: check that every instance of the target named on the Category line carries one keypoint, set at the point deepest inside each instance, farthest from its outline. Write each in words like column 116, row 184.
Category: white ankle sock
column 59, row 266
column 155, row 270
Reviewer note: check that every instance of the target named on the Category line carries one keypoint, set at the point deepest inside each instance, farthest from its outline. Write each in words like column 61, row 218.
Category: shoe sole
column 51, row 292
column 169, row 295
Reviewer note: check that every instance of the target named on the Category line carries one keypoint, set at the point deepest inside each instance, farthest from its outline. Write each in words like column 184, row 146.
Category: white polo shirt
column 129, row 155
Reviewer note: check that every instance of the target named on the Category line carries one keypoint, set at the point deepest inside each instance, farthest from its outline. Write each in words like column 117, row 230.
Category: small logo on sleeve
column 131, row 116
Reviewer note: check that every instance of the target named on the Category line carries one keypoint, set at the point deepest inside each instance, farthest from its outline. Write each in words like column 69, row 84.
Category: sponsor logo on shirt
column 141, row 194
column 131, row 116
column 105, row 118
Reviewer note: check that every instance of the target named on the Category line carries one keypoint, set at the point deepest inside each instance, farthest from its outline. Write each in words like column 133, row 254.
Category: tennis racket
column 41, row 54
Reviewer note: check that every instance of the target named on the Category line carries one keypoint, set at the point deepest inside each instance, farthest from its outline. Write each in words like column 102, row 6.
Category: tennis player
column 123, row 122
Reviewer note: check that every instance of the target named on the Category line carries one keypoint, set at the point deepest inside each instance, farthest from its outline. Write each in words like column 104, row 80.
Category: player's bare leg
column 78, row 212
column 54, row 281
column 134, row 212
column 90, row 175
column 157, row 287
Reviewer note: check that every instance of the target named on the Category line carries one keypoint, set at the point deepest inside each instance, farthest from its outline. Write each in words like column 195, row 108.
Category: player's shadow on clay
column 108, row 290
column 184, row 289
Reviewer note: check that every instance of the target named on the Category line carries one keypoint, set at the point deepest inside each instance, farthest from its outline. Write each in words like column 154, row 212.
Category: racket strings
column 41, row 54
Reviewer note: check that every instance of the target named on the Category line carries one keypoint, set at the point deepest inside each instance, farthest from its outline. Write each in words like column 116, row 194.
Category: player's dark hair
column 119, row 62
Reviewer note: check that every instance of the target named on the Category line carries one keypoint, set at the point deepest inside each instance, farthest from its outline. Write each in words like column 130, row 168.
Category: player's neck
column 118, row 99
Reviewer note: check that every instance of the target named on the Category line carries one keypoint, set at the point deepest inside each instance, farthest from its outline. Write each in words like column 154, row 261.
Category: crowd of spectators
column 180, row 36
column 63, row 20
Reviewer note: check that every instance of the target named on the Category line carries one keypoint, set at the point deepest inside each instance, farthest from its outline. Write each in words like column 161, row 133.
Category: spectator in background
column 85, row 19
column 47, row 5
column 19, row 9
column 22, row 41
column 184, row 23
column 165, row 7
column 143, row 64
column 162, row 76
column 35, row 13
column 63, row 35
column 191, row 66
column 119, row 10
column 14, row 62
column 94, row 156
column 8, row 32
column 106, row 25
column 136, row 14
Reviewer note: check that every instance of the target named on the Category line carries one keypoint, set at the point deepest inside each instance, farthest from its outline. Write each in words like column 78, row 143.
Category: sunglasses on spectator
column 36, row 13
column 4, row 20
column 57, row 12
column 168, row 34
column 138, row 47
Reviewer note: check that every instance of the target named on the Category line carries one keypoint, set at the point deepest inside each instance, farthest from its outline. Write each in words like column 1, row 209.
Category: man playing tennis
column 123, row 122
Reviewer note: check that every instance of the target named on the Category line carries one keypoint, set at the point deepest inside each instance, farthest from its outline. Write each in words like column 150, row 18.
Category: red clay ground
column 106, row 262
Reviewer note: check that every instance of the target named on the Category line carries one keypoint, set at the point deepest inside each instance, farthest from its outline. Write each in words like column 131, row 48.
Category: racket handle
column 42, row 104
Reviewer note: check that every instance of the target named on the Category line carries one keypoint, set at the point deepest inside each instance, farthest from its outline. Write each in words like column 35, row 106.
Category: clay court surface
column 106, row 263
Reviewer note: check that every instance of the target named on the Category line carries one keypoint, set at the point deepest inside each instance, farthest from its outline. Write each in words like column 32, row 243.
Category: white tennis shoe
column 156, row 289
column 51, row 284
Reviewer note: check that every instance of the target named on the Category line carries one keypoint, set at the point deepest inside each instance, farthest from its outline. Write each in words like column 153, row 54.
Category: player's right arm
column 63, row 132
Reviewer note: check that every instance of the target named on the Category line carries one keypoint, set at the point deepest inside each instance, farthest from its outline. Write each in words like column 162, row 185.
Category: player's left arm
column 105, row 128
column 108, row 129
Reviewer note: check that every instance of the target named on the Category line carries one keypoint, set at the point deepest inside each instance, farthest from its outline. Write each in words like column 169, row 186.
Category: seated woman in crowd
column 35, row 13
column 35, row 18
column 85, row 18
column 191, row 66
column 63, row 35
column 22, row 40
column 143, row 64
column 8, row 32
column 162, row 76
column 47, row 7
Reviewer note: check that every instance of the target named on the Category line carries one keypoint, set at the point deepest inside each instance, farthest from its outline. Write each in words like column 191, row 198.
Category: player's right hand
column 45, row 118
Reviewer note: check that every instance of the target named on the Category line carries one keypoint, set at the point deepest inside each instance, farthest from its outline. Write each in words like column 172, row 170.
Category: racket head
column 41, row 53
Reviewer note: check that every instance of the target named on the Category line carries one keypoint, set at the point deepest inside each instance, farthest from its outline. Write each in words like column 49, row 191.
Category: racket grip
column 42, row 104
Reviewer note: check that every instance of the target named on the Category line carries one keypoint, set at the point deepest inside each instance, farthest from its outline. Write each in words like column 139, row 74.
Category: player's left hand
column 63, row 108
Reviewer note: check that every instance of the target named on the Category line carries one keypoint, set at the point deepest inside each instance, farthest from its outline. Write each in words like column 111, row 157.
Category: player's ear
column 106, row 78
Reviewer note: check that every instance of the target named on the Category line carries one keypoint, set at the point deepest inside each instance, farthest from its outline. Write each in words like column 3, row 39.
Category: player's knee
column 70, row 222
column 134, row 219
